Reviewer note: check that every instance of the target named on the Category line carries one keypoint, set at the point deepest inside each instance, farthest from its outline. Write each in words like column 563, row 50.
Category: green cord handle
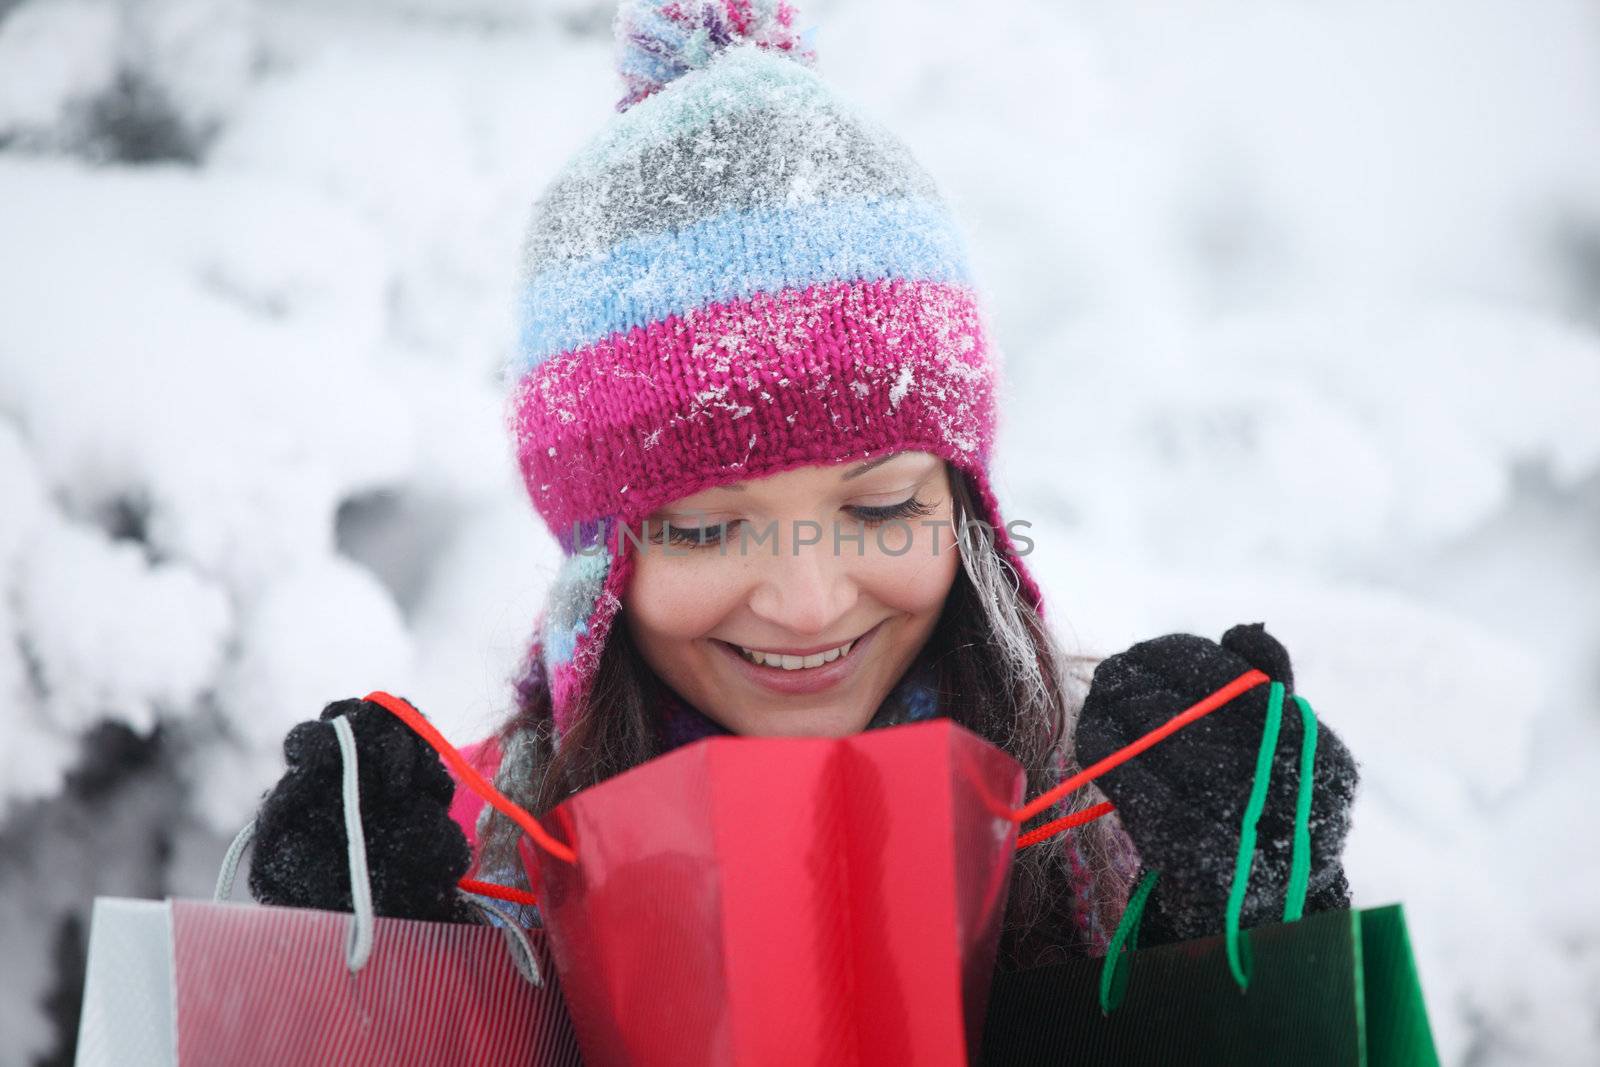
column 1238, row 945
column 1294, row 903
column 1238, row 942
column 1114, row 971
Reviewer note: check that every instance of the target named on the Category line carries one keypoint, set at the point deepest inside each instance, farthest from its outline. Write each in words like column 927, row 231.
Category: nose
column 804, row 590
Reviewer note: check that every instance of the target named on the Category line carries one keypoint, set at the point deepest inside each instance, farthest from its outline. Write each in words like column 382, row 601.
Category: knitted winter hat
column 740, row 275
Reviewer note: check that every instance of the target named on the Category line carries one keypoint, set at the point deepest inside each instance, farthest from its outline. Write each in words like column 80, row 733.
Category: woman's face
column 797, row 563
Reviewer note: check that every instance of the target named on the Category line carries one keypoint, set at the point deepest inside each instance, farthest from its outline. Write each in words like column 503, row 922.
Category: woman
column 751, row 345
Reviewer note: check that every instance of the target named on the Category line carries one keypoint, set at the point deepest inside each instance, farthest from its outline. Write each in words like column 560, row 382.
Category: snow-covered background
column 1301, row 312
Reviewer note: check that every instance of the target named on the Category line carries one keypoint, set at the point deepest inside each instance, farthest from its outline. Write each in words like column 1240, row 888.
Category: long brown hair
column 1000, row 673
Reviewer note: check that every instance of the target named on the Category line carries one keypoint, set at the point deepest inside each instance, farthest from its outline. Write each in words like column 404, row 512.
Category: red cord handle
column 1066, row 822
column 478, row 784
column 499, row 892
column 1195, row 712
column 468, row 774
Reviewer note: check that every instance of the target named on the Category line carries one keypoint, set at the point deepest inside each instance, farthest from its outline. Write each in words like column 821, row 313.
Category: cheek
column 670, row 599
column 914, row 581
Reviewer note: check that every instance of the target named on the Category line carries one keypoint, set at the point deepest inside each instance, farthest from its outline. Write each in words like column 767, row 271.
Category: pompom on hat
column 657, row 42
column 739, row 276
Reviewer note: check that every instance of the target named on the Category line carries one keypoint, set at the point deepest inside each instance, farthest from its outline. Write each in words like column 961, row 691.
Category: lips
column 821, row 655
column 806, row 679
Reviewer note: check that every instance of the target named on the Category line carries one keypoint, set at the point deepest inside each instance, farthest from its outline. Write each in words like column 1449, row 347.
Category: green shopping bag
column 1336, row 988
column 1339, row 987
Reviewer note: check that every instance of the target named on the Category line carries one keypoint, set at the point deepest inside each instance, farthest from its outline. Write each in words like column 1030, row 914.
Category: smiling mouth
column 774, row 662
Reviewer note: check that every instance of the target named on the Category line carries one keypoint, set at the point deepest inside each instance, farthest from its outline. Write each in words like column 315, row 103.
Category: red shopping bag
column 785, row 900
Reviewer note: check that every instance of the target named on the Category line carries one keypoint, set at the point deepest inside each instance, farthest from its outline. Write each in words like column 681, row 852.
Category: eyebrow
column 871, row 463
column 739, row 487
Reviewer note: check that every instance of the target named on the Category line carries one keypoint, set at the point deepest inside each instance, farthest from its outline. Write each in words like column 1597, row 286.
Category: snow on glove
column 415, row 851
column 1182, row 802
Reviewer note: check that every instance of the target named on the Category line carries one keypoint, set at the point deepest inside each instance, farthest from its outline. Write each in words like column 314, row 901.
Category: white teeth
column 795, row 663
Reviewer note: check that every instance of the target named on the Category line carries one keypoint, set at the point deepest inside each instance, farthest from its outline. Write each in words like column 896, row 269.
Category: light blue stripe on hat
column 733, row 256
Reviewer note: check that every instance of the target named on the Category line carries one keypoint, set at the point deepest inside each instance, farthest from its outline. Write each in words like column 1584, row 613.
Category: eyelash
column 906, row 509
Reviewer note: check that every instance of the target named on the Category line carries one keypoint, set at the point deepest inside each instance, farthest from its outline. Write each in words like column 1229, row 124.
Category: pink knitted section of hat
column 739, row 389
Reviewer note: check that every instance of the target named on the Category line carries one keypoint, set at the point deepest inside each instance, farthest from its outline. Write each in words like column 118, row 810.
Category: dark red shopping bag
column 786, row 900
column 270, row 986
column 185, row 982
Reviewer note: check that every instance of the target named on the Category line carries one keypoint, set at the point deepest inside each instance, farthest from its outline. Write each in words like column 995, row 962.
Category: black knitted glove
column 1182, row 801
column 415, row 851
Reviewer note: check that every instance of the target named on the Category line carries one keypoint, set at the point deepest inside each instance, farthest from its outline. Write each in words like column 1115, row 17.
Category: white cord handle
column 522, row 952
column 358, row 946
column 230, row 862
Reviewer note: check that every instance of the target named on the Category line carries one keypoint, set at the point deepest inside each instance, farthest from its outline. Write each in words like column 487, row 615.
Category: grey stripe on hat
column 763, row 157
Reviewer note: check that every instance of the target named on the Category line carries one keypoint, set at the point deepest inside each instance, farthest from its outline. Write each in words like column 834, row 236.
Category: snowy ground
column 1301, row 313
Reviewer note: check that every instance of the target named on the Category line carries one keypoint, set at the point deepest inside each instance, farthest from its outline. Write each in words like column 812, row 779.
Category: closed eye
column 906, row 509
column 715, row 535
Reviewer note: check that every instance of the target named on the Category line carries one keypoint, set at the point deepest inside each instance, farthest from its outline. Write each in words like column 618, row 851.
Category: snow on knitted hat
column 739, row 275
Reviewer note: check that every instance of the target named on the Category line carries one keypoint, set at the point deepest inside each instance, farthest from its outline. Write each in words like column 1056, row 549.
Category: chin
column 805, row 724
